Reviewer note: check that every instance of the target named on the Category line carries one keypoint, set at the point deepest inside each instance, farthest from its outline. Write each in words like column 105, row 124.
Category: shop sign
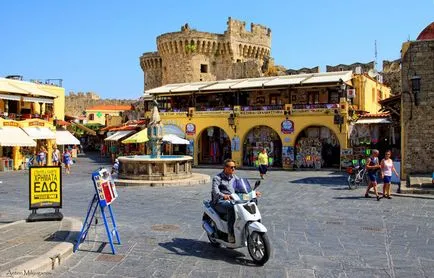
column 45, row 187
column 351, row 93
column 10, row 124
column 190, row 129
column 36, row 123
column 287, row 127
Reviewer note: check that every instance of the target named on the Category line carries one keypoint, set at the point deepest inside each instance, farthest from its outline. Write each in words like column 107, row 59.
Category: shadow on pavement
column 63, row 236
column 350, row 198
column 323, row 181
column 202, row 249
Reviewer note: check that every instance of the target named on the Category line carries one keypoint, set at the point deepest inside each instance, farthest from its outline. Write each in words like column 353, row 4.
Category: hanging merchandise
column 324, row 132
column 210, row 131
column 375, row 133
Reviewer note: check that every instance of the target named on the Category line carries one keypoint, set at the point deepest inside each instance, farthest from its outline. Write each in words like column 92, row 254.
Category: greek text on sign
column 45, row 187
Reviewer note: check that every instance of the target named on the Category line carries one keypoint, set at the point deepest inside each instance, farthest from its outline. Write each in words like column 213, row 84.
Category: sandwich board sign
column 105, row 194
column 45, row 191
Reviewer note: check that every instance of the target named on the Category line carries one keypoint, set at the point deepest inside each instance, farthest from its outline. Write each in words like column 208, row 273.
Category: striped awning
column 119, row 135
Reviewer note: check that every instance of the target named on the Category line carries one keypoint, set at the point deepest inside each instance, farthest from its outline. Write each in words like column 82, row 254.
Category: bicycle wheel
column 351, row 180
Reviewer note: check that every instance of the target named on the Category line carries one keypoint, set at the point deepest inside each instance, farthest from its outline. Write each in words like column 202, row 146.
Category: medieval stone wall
column 303, row 70
column 192, row 56
column 342, row 67
column 76, row 103
column 392, row 75
column 417, row 121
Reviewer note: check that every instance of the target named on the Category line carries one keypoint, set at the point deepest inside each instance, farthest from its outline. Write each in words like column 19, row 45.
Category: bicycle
column 357, row 176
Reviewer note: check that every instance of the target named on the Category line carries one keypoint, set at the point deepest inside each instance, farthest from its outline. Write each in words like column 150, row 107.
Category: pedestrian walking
column 372, row 166
column 67, row 160
column 387, row 168
column 263, row 163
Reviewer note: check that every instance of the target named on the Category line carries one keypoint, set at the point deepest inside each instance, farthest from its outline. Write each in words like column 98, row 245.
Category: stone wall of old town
column 417, row 120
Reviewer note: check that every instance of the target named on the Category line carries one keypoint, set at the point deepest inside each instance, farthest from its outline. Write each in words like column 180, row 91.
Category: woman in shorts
column 386, row 173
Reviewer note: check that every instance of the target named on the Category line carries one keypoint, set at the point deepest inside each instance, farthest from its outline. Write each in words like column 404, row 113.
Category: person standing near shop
column 55, row 157
column 372, row 166
column 40, row 158
column 386, row 173
column 263, row 163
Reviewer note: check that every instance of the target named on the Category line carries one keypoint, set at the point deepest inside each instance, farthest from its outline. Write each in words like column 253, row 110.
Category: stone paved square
column 317, row 228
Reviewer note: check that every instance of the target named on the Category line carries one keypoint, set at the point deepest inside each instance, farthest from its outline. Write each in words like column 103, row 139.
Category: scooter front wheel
column 259, row 248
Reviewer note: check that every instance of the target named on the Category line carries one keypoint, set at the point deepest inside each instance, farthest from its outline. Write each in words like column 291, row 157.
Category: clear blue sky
column 95, row 45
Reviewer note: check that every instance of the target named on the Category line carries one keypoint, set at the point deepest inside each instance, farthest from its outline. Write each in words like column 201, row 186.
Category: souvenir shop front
column 215, row 146
column 369, row 134
column 317, row 147
column 258, row 138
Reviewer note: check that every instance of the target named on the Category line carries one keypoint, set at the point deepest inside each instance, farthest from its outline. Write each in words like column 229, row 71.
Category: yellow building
column 302, row 120
column 106, row 114
column 27, row 111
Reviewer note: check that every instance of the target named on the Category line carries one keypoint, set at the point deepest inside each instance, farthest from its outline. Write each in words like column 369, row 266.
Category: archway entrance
column 214, row 146
column 317, row 147
column 262, row 137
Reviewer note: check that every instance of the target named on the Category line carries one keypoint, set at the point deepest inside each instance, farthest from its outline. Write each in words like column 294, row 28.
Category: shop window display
column 215, row 146
column 258, row 138
column 317, row 147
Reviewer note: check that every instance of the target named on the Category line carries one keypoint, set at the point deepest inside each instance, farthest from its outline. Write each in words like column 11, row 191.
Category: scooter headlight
column 251, row 208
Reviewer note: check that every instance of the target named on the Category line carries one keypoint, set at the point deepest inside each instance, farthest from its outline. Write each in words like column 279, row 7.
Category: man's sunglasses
column 232, row 167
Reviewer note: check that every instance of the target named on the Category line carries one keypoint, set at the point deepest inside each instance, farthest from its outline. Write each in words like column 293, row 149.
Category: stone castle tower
column 193, row 56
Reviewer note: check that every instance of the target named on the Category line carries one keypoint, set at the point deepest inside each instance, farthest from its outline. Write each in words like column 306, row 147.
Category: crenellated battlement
column 150, row 60
column 190, row 55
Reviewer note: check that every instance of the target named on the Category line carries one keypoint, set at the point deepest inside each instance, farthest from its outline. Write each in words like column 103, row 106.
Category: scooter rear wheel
column 259, row 248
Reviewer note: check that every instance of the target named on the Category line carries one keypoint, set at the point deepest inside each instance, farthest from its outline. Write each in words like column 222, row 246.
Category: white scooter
column 248, row 229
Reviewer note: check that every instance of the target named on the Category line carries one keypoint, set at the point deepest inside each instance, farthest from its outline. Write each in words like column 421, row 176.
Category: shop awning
column 64, row 137
column 119, row 135
column 39, row 132
column 38, row 100
column 10, row 97
column 85, row 128
column 374, row 121
column 173, row 129
column 175, row 140
column 15, row 136
column 139, row 137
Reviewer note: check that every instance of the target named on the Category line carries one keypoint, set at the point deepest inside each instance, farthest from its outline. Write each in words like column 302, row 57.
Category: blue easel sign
column 105, row 194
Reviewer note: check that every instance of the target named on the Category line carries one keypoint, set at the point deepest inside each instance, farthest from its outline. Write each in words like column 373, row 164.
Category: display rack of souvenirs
column 308, row 153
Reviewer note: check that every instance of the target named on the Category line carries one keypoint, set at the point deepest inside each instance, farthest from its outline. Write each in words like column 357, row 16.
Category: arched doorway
column 317, row 147
column 262, row 137
column 214, row 146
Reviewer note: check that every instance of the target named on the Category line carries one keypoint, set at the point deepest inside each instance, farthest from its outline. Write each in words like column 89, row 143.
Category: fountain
column 157, row 169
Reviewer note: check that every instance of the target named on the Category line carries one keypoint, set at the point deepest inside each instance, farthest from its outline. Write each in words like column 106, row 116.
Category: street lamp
column 231, row 122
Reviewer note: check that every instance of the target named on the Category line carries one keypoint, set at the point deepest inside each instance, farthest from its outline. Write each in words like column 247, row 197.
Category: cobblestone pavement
column 317, row 228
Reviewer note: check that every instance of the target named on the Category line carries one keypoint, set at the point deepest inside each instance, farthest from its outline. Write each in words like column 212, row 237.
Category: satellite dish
column 372, row 73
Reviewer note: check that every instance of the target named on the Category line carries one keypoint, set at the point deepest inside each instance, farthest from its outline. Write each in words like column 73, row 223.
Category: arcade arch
column 317, row 147
column 257, row 138
column 214, row 146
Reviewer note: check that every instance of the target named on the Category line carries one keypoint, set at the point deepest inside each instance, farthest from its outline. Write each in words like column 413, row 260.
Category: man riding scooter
column 222, row 188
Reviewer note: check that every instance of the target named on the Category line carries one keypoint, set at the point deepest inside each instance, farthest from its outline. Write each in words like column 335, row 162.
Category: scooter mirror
column 257, row 183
